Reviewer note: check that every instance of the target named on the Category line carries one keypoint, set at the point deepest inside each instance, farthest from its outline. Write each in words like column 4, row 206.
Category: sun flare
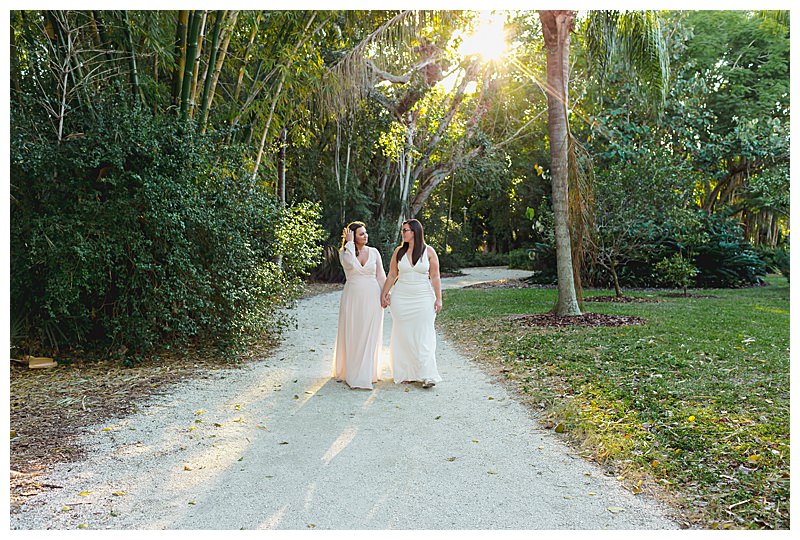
column 488, row 39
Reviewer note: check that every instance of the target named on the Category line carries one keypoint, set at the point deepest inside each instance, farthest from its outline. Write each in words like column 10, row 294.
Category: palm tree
column 636, row 38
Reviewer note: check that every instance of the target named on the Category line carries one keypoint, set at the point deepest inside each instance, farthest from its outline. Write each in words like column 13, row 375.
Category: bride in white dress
column 360, row 333
column 414, row 303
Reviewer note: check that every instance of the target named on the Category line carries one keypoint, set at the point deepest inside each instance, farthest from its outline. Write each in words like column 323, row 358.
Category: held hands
column 386, row 300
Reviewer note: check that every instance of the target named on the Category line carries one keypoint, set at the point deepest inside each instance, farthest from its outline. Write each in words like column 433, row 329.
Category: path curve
column 279, row 445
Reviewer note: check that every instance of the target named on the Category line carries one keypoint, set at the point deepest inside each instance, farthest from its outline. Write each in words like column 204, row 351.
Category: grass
column 695, row 401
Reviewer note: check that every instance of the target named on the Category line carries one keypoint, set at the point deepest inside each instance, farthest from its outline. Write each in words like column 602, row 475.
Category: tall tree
column 634, row 35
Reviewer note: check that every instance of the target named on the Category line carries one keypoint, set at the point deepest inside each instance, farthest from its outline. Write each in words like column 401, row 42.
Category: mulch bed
column 619, row 299
column 546, row 320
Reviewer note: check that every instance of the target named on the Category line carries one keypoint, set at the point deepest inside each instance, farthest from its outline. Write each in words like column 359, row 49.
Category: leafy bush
column 136, row 233
column 489, row 258
column 522, row 259
column 714, row 244
column 776, row 260
column 675, row 272
column 782, row 260
column 726, row 259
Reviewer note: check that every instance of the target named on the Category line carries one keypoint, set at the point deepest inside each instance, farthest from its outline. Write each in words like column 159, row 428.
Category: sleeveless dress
column 360, row 333
column 413, row 342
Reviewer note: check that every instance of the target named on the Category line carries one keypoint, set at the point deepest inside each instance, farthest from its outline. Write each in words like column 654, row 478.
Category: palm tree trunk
column 556, row 27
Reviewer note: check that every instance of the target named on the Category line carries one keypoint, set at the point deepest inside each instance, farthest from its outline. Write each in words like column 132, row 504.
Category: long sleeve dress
column 413, row 342
column 360, row 333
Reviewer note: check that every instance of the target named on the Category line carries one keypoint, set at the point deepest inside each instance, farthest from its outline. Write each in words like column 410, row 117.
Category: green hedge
column 137, row 234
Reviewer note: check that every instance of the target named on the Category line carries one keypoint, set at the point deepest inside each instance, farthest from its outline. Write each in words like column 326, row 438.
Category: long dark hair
column 419, row 242
column 354, row 226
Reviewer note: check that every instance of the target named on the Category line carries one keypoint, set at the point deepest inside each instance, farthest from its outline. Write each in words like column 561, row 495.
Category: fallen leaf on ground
column 615, row 509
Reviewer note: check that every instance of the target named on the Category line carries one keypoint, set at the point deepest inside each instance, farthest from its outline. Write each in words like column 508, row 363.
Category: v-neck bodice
column 353, row 269
column 406, row 272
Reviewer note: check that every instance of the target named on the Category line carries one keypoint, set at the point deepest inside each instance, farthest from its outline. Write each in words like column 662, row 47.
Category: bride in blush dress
column 360, row 333
column 414, row 303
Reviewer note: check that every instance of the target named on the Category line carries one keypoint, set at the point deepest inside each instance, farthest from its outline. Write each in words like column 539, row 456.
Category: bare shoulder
column 431, row 251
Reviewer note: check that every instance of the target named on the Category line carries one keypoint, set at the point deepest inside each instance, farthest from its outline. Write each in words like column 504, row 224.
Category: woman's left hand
column 437, row 306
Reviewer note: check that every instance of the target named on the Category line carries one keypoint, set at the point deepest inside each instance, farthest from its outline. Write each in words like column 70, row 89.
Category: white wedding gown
column 360, row 333
column 413, row 342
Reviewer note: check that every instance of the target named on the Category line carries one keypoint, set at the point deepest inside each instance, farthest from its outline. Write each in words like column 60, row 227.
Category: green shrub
column 675, row 272
column 138, row 234
column 726, row 259
column 522, row 259
column 782, row 260
column 714, row 244
column 776, row 260
column 488, row 258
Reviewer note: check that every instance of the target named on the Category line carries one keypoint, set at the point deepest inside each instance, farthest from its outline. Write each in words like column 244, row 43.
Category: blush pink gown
column 360, row 333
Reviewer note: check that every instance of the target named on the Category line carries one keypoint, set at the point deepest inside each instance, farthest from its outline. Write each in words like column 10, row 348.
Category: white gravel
column 280, row 445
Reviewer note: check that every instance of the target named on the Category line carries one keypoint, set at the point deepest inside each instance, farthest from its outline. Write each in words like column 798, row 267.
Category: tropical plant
column 675, row 272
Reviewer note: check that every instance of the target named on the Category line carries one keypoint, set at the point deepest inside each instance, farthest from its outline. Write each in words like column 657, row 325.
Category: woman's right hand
column 348, row 235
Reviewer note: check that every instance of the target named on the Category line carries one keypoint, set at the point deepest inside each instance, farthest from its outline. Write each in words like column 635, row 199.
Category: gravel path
column 280, row 445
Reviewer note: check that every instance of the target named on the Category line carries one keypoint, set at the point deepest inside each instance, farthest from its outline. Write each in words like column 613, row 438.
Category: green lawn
column 696, row 399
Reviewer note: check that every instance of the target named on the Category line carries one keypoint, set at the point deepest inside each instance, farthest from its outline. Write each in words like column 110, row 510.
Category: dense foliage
column 137, row 234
